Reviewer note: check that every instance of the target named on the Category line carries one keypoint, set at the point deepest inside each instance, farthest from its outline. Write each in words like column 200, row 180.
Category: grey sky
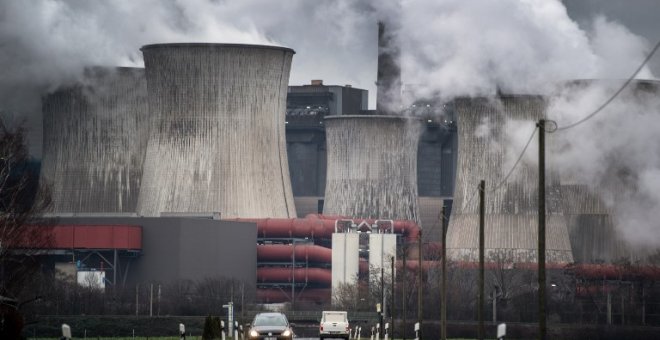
column 641, row 17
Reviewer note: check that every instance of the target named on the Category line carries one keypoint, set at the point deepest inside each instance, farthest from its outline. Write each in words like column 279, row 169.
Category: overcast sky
column 450, row 47
column 641, row 17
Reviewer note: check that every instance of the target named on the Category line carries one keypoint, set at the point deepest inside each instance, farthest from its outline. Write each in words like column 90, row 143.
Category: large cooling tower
column 94, row 141
column 511, row 212
column 372, row 167
column 218, row 142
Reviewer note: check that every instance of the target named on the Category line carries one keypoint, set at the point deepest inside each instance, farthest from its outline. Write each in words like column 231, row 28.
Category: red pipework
column 284, row 252
column 283, row 274
column 319, row 226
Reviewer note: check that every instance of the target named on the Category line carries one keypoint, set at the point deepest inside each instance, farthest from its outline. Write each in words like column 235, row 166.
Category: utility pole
column 404, row 300
column 137, row 299
column 443, row 289
column 293, row 274
column 382, row 292
column 419, row 289
column 541, row 231
column 480, row 310
column 392, row 302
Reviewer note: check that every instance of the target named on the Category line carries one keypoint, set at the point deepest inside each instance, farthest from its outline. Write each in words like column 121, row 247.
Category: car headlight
column 286, row 332
column 254, row 333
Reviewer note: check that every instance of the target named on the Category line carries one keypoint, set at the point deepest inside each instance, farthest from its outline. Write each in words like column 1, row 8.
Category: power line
column 607, row 102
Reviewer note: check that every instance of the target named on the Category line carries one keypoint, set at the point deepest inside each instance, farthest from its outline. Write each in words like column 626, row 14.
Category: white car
column 334, row 324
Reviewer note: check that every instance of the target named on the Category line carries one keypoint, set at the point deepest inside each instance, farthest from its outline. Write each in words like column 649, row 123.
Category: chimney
column 388, row 82
column 317, row 82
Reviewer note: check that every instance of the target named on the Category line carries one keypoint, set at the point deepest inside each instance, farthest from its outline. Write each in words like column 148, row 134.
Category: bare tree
column 20, row 237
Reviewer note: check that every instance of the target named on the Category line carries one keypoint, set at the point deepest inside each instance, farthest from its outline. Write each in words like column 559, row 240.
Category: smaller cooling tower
column 94, row 141
column 372, row 167
column 594, row 238
column 218, row 142
column 511, row 211
column 592, row 223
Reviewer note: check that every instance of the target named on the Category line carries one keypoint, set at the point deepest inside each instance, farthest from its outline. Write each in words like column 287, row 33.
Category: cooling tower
column 218, row 142
column 511, row 212
column 94, row 141
column 372, row 167
column 591, row 201
column 593, row 236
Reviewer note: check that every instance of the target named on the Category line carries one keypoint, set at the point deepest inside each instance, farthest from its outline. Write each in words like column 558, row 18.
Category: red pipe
column 406, row 227
column 283, row 274
column 320, row 226
column 283, row 253
column 274, row 295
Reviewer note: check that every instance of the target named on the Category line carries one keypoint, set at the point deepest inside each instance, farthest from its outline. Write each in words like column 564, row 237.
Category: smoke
column 448, row 48
column 616, row 153
column 475, row 48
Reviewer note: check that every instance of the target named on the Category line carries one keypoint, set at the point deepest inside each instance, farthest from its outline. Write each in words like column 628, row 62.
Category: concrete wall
column 175, row 248
column 345, row 259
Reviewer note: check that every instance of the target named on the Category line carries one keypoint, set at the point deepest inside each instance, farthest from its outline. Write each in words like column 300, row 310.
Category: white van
column 334, row 324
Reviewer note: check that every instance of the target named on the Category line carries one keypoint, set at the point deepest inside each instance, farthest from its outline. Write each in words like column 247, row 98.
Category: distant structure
column 388, row 78
column 591, row 221
column 372, row 167
column 218, row 138
column 94, row 141
column 317, row 99
column 511, row 210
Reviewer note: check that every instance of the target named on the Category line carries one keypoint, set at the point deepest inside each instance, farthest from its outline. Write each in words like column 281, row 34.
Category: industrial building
column 227, row 169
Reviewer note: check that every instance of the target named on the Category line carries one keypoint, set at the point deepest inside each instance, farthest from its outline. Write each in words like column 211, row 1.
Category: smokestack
column 511, row 211
column 94, row 141
column 218, row 140
column 372, row 167
column 388, row 83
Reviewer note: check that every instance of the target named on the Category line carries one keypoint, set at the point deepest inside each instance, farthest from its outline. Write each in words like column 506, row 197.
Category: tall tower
column 217, row 143
column 511, row 212
column 94, row 141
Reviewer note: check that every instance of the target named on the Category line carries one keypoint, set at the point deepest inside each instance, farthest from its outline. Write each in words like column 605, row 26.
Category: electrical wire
column 501, row 183
column 607, row 102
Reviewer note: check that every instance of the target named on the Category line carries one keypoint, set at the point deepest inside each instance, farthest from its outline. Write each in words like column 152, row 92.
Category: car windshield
column 270, row 320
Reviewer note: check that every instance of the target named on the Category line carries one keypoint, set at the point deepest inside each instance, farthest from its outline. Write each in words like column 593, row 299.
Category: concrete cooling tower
column 594, row 238
column 372, row 167
column 511, row 212
column 94, row 141
column 218, row 142
column 591, row 204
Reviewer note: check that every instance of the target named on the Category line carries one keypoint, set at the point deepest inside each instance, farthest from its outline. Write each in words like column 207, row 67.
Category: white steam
column 449, row 48
column 616, row 153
